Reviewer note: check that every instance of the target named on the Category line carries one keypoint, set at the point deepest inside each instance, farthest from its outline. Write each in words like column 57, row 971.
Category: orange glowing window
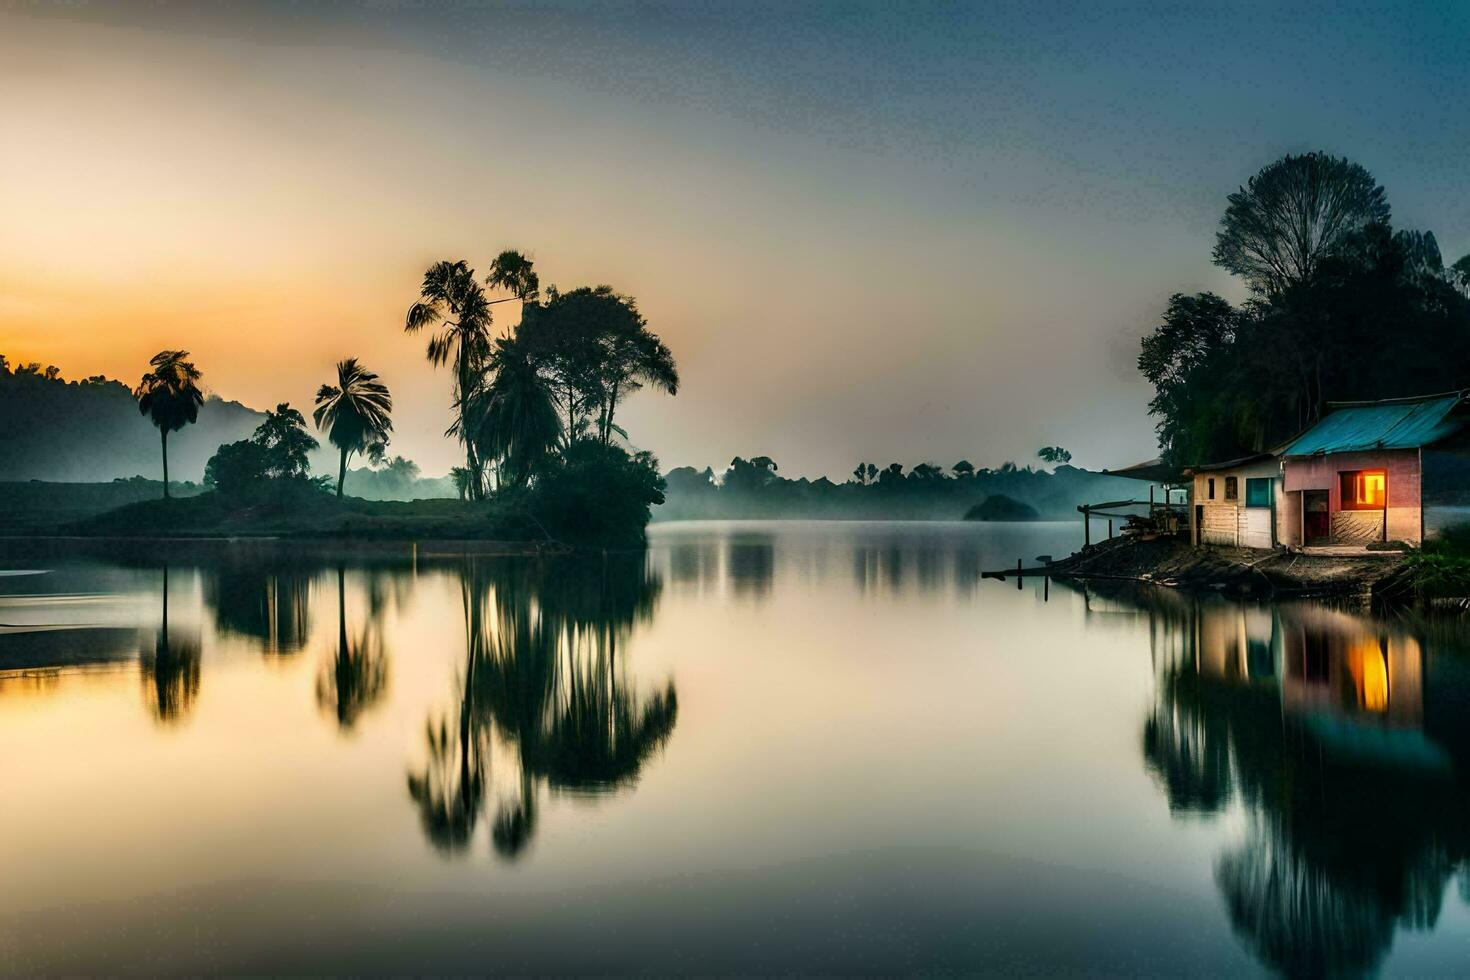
column 1364, row 490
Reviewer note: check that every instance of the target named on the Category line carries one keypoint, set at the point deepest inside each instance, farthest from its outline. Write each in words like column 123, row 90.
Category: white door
column 1256, row 527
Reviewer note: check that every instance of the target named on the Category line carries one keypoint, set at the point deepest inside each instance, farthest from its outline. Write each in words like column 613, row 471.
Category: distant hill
column 90, row 431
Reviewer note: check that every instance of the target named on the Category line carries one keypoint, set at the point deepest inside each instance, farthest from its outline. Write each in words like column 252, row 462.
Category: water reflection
column 1322, row 727
column 356, row 676
column 544, row 692
column 170, row 668
column 265, row 601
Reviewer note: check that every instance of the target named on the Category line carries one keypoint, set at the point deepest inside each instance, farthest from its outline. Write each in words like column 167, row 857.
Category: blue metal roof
column 1402, row 423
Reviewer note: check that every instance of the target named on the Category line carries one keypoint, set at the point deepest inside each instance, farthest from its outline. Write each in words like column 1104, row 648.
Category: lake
column 760, row 747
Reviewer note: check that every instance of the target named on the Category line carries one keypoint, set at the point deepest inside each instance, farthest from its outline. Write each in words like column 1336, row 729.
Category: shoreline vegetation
column 533, row 408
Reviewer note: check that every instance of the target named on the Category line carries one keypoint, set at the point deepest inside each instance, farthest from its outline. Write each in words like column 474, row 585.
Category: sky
column 868, row 231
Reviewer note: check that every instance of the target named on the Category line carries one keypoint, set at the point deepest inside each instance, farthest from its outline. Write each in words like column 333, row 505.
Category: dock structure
column 1152, row 517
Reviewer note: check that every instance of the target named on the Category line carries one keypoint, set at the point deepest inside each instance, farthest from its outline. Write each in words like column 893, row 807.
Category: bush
column 237, row 467
column 596, row 496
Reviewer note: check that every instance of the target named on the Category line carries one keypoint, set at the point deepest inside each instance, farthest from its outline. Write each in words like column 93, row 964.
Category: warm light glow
column 1368, row 664
column 1367, row 489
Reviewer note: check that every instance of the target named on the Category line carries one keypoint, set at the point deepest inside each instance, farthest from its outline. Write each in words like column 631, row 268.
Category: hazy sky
column 867, row 231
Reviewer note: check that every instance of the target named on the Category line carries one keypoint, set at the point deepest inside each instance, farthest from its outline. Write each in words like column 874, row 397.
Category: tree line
column 1341, row 306
column 754, row 487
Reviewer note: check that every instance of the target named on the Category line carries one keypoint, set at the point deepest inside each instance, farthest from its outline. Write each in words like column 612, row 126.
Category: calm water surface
column 762, row 747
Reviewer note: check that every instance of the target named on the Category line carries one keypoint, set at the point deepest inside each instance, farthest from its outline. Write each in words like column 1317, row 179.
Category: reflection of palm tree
column 355, row 679
column 171, row 675
column 451, row 787
column 542, row 679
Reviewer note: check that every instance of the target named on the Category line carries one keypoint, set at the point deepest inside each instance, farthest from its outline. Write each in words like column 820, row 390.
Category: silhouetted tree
column 513, row 412
column 1290, row 216
column 169, row 395
column 1054, row 454
column 355, row 414
column 287, row 442
column 964, row 469
column 452, row 303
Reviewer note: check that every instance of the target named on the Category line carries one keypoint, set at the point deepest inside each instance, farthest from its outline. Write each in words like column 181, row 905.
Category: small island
column 999, row 507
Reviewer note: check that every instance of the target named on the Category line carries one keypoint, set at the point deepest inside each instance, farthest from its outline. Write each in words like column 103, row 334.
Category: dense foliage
column 275, row 455
column 1343, row 308
column 596, row 495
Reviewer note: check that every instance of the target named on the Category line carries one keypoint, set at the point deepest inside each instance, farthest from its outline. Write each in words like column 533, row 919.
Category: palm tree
column 451, row 301
column 634, row 361
column 169, row 395
column 514, row 273
column 514, row 412
column 354, row 414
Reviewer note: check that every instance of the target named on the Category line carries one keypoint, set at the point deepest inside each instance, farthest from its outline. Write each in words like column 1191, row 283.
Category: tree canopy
column 1343, row 307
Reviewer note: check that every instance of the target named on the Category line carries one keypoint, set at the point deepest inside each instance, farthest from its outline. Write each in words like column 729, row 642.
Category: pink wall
column 1322, row 473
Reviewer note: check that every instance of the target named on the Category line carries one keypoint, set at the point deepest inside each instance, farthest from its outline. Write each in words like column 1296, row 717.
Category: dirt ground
column 1238, row 571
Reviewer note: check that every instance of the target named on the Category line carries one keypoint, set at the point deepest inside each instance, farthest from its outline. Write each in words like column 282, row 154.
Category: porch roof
column 1151, row 471
column 1399, row 423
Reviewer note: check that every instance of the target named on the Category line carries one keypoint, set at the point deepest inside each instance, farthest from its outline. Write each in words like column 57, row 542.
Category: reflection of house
column 1364, row 472
column 1235, row 502
column 1338, row 664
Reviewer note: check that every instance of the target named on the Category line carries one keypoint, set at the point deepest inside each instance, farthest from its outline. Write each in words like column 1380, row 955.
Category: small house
column 1370, row 471
column 1235, row 502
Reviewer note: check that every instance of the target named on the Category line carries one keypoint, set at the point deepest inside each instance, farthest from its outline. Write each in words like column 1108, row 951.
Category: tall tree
column 355, row 414
column 595, row 348
column 169, row 395
column 453, row 306
column 1290, row 216
column 513, row 411
column 1186, row 360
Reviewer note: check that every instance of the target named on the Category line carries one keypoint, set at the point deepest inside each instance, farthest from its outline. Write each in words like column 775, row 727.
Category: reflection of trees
column 750, row 565
column 543, row 686
column 265, row 602
column 170, row 669
column 357, row 675
column 1338, row 854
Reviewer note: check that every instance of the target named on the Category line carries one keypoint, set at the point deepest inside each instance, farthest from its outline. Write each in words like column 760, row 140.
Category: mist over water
column 760, row 746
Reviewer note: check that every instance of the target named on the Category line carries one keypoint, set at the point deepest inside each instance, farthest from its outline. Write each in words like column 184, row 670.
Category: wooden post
column 1110, row 529
column 1086, row 527
column 1019, row 578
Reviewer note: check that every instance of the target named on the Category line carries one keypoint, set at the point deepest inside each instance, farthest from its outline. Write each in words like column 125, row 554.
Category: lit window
column 1364, row 490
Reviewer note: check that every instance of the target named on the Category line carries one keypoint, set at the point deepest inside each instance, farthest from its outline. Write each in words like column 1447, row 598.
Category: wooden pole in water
column 1110, row 529
column 1086, row 527
column 1019, row 578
